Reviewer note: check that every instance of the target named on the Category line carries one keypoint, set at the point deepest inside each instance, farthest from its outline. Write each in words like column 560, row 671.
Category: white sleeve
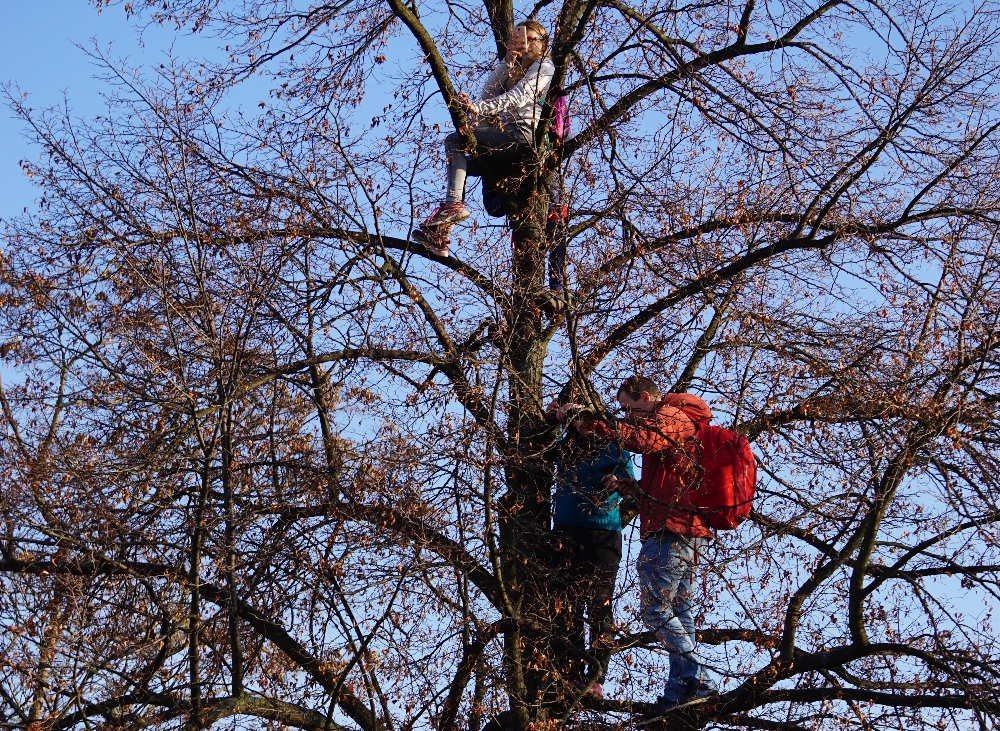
column 494, row 82
column 526, row 93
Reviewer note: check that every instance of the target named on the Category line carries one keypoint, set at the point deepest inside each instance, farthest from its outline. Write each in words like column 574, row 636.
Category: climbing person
column 508, row 114
column 587, row 542
column 672, row 530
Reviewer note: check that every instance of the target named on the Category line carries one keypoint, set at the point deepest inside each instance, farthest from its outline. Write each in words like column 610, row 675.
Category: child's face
column 529, row 42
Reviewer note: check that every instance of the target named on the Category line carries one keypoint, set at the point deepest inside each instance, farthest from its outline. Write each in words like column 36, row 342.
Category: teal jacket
column 581, row 500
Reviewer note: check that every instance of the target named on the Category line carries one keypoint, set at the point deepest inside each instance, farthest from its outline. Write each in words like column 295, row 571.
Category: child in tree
column 508, row 114
column 587, row 536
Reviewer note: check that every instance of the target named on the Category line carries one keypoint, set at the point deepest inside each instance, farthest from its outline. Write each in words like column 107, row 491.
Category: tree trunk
column 526, row 507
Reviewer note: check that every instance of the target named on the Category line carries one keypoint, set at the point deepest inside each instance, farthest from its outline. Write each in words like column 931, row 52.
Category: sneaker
column 547, row 301
column 446, row 213
column 698, row 692
column 596, row 691
column 435, row 240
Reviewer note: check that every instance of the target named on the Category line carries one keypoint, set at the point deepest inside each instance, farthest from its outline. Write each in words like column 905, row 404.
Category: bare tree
column 267, row 463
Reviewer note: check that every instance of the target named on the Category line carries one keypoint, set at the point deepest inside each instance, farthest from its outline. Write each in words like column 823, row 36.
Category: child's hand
column 623, row 487
column 562, row 412
column 517, row 45
column 467, row 105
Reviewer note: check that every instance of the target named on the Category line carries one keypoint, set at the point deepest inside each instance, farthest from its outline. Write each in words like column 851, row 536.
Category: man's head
column 638, row 393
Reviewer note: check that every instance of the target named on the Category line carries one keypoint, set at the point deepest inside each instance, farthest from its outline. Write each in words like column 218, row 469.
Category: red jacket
column 665, row 439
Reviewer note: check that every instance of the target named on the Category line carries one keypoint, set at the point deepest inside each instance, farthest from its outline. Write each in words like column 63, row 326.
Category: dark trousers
column 555, row 232
column 502, row 146
column 585, row 566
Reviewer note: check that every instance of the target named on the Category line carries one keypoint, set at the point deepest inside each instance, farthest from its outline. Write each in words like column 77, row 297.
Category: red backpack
column 728, row 468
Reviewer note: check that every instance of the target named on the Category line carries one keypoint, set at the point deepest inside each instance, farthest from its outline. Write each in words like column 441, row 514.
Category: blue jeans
column 664, row 566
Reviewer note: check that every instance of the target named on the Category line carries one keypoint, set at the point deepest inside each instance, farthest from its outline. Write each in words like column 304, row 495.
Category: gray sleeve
column 526, row 93
column 494, row 82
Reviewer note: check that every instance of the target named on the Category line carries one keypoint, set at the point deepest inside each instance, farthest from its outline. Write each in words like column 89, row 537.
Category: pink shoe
column 435, row 240
column 446, row 213
column 597, row 691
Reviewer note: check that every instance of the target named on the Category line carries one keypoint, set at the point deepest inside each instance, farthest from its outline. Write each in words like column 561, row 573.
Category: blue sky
column 39, row 52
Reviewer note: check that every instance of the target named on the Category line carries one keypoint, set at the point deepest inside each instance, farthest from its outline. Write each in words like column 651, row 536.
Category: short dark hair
column 635, row 386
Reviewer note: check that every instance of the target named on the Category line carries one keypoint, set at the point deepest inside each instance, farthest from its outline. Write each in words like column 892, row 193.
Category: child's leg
column 458, row 168
column 605, row 557
column 459, row 165
column 569, row 572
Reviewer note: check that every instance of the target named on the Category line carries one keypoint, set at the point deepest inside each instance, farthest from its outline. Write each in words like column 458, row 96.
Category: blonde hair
column 535, row 26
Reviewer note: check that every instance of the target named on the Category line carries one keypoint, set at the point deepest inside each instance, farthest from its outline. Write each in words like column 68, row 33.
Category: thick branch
column 439, row 68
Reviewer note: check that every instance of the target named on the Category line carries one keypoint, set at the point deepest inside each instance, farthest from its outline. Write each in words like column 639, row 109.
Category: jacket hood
column 694, row 407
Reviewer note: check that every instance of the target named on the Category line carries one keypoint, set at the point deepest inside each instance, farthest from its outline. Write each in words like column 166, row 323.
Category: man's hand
column 587, row 427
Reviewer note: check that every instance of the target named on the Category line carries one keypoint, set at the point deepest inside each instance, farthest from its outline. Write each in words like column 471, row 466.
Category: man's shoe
column 446, row 214
column 667, row 703
column 698, row 690
column 435, row 240
column 694, row 694
column 674, row 694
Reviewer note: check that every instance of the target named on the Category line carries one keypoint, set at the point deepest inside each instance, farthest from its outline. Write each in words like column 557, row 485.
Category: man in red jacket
column 662, row 430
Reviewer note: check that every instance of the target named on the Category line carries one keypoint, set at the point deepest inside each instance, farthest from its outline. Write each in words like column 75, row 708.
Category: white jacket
column 522, row 104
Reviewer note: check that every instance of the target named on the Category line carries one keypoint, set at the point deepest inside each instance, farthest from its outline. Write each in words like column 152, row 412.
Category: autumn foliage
column 265, row 463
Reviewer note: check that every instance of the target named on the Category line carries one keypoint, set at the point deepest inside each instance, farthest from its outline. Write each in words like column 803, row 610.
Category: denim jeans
column 664, row 566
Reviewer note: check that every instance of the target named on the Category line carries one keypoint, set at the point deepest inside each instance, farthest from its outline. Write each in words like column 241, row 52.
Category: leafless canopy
column 266, row 464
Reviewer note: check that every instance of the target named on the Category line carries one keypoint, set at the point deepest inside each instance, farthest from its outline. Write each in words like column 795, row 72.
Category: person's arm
column 494, row 82
column 526, row 92
column 668, row 428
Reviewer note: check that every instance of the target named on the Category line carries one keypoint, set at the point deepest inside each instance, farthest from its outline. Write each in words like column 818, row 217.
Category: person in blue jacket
column 587, row 537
